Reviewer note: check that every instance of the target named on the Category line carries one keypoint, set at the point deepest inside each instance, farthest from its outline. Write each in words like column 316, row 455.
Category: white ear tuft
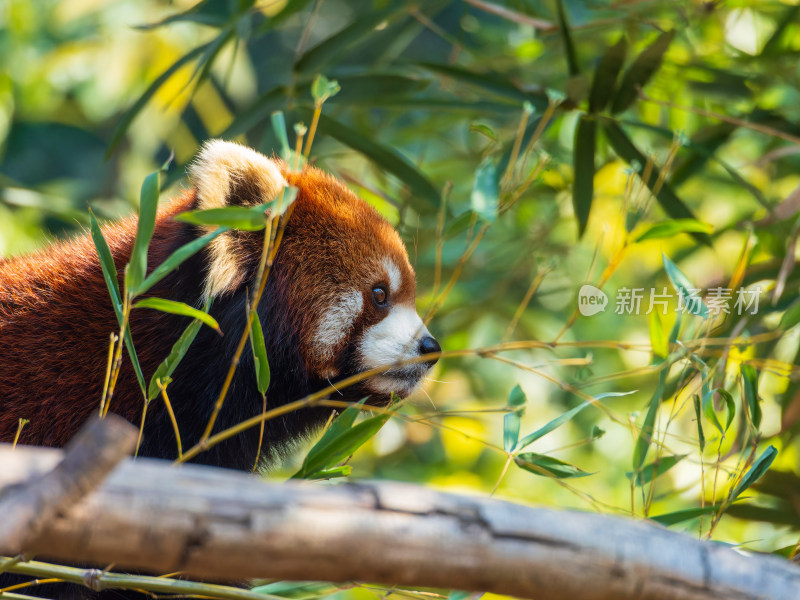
column 221, row 164
column 221, row 170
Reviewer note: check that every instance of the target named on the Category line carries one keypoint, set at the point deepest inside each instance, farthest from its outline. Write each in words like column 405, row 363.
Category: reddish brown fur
column 55, row 322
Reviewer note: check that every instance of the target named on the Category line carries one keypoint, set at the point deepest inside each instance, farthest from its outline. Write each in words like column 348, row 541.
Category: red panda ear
column 224, row 174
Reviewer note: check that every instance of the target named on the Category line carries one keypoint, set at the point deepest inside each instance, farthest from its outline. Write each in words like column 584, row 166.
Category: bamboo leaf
column 666, row 197
column 425, row 197
column 691, row 299
column 566, row 37
column 484, row 199
column 655, row 469
column 279, row 128
column 511, row 420
column 671, row 227
column 148, row 206
column 641, row 70
column 564, row 418
column 583, row 165
column 179, row 308
column 259, row 355
column 112, row 283
column 130, row 114
column 547, row 466
column 179, row 349
column 791, row 317
column 760, row 466
column 679, row 516
column 646, row 433
column 751, row 400
column 247, row 218
column 658, row 337
column 605, row 75
column 337, row 445
column 489, row 82
column 697, row 410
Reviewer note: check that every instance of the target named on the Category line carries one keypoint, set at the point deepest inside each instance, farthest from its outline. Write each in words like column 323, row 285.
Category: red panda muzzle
column 319, row 313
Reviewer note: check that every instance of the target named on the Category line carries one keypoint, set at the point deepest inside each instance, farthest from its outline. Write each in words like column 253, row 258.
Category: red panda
column 339, row 300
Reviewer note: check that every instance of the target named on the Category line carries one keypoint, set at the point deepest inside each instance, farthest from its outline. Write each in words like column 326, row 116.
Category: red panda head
column 341, row 283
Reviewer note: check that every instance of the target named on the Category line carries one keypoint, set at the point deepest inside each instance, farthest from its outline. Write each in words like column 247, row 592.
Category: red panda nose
column 428, row 345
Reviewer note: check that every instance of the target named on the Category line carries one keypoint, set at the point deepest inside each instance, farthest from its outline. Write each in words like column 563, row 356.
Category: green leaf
column 697, row 409
column 279, row 128
column 148, row 206
column 751, row 400
column 710, row 412
column 791, row 317
column 655, row 469
column 511, row 420
column 179, row 349
column 566, row 37
column 583, row 162
column 112, row 283
column 130, row 114
column 179, row 308
column 259, row 355
column 323, row 88
column 658, row 337
column 488, row 82
column 331, row 48
column 760, row 466
column 679, row 516
column 485, row 190
column 564, row 418
column 646, row 434
column 460, row 224
column 666, row 197
column 106, row 265
column 208, row 12
column 666, row 229
column 640, row 71
column 424, row 197
column 702, row 148
column 338, row 444
column 691, row 300
column 176, row 259
column 247, row 218
column 547, row 466
column 605, row 75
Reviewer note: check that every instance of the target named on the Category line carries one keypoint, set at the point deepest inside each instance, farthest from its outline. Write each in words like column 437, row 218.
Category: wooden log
column 220, row 525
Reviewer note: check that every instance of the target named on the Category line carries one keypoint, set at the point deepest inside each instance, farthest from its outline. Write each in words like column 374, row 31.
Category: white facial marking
column 334, row 325
column 395, row 279
column 395, row 338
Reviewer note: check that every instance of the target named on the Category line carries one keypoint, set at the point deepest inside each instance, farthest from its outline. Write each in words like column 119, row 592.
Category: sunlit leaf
column 148, row 206
column 697, row 415
column 323, row 88
column 129, row 115
column 259, row 355
column 666, row 229
column 710, row 412
column 791, row 317
column 247, row 218
column 179, row 308
column 511, row 420
column 547, row 466
column 658, row 337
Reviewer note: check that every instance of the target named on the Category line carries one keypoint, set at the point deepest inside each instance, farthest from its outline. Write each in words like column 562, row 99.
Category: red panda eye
column 379, row 295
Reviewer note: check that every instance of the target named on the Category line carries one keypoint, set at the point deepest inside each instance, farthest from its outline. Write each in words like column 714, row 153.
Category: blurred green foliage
column 529, row 146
